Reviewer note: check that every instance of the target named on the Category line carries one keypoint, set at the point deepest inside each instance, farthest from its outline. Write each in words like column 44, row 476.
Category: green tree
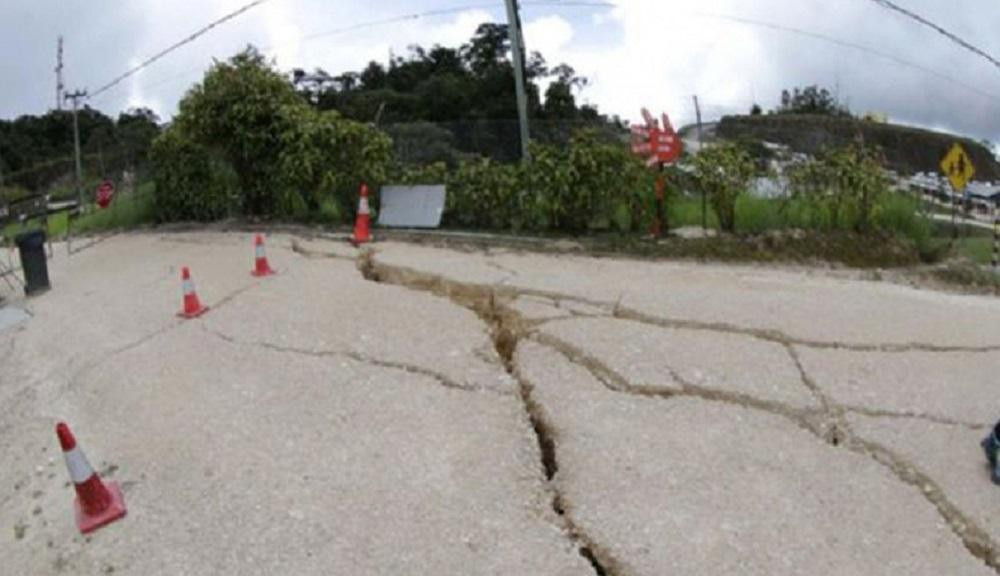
column 136, row 129
column 467, row 90
column 287, row 157
column 811, row 100
column 236, row 110
column 723, row 172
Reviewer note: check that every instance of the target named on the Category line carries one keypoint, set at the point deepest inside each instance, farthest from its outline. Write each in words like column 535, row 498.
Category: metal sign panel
column 957, row 166
column 656, row 144
column 411, row 206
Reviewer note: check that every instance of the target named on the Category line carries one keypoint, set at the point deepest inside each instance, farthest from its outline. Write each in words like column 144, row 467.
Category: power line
column 937, row 28
column 447, row 12
column 852, row 45
column 383, row 22
column 202, row 31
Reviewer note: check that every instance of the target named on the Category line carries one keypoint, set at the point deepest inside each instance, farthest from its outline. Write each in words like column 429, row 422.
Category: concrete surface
column 960, row 386
column 948, row 455
column 729, row 490
column 11, row 317
column 798, row 304
column 670, row 359
column 654, row 418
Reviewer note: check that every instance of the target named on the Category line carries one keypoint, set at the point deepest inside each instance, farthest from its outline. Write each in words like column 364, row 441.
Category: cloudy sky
column 654, row 53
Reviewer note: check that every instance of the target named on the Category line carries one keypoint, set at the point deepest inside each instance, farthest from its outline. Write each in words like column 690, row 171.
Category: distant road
column 964, row 221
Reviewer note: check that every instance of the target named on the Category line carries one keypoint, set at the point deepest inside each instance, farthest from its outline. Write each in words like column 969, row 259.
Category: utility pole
column 704, row 200
column 75, row 97
column 517, row 47
column 59, row 74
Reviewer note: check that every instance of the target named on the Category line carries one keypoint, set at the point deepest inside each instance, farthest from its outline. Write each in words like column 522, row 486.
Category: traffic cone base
column 193, row 314
column 262, row 273
column 116, row 509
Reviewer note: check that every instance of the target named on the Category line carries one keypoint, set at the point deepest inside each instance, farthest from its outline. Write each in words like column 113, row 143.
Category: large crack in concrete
column 618, row 310
column 828, row 424
column 506, row 329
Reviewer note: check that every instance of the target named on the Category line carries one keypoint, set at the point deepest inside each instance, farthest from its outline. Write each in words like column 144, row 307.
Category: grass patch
column 125, row 213
column 968, row 274
column 850, row 249
column 684, row 211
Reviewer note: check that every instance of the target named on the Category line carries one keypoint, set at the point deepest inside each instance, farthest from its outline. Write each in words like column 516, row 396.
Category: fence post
column 996, row 236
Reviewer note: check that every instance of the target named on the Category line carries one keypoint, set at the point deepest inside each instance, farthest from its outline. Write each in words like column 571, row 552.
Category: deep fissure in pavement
column 505, row 331
column 828, row 424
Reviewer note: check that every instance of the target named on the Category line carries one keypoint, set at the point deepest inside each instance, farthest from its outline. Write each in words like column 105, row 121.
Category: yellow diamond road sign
column 958, row 168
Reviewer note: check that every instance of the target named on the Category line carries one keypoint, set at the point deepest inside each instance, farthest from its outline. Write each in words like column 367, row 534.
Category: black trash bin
column 31, row 247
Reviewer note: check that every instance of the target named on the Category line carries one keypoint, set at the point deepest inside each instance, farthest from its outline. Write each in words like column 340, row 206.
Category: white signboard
column 411, row 206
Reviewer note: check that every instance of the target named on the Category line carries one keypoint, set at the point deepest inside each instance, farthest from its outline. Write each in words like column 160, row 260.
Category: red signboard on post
column 657, row 144
column 105, row 192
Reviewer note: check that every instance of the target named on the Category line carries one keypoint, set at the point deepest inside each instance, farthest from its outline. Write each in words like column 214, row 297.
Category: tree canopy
column 811, row 100
column 468, row 91
column 36, row 151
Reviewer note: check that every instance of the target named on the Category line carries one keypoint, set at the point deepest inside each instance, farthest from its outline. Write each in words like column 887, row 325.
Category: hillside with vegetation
column 907, row 150
column 813, row 121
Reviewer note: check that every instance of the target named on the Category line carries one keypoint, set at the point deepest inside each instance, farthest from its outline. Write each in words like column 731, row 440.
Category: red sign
column 658, row 145
column 105, row 192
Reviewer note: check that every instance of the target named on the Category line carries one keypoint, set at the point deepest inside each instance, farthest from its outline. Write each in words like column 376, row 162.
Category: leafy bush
column 483, row 194
column 436, row 173
column 190, row 183
column 14, row 193
column 723, row 172
column 592, row 184
column 848, row 183
column 288, row 159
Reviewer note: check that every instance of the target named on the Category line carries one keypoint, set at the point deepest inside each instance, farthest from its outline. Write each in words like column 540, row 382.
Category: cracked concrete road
column 407, row 409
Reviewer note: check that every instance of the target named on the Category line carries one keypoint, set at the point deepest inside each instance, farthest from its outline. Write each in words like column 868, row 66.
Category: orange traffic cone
column 362, row 225
column 192, row 307
column 97, row 503
column 262, row 268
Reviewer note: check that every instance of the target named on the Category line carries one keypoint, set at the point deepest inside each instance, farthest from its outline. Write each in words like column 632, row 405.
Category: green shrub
column 723, row 172
column 436, row 173
column 848, row 184
column 593, row 184
column 9, row 194
column 190, row 183
column 287, row 158
column 483, row 194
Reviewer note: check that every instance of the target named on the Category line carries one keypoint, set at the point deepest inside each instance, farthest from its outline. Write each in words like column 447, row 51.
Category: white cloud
column 655, row 53
column 549, row 35
column 284, row 36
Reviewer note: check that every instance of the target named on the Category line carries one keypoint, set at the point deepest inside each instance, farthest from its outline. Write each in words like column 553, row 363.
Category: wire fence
column 422, row 143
